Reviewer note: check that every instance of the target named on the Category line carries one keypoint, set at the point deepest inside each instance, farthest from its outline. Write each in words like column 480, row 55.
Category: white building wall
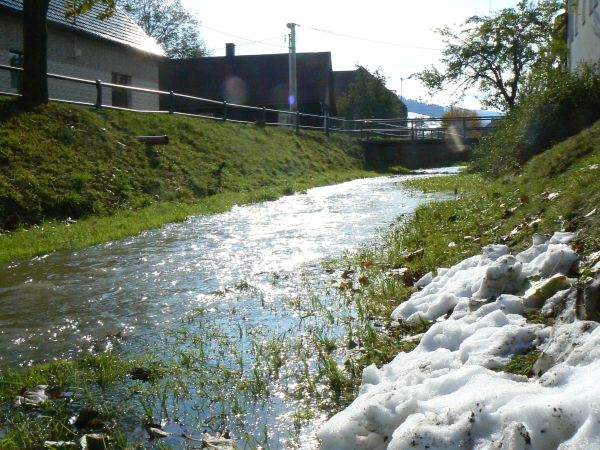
column 584, row 32
column 80, row 56
column 10, row 39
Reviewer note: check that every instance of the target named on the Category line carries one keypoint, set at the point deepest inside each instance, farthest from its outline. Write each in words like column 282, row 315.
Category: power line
column 262, row 41
column 373, row 41
column 250, row 41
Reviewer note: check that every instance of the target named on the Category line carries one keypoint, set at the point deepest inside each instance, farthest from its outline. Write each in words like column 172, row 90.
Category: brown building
column 254, row 80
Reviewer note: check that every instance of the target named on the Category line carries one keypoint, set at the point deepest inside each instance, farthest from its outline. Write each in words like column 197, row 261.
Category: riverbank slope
column 72, row 177
column 464, row 328
column 555, row 191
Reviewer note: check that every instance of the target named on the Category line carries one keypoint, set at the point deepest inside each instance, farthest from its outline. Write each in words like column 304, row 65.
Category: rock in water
column 32, row 397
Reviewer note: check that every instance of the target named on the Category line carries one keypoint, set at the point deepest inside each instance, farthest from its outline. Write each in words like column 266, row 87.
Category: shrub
column 568, row 104
column 453, row 121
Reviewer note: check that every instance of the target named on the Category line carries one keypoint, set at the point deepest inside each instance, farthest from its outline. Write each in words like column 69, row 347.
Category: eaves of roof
column 119, row 28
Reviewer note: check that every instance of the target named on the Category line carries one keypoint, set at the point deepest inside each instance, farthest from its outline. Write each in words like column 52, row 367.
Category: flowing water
column 242, row 269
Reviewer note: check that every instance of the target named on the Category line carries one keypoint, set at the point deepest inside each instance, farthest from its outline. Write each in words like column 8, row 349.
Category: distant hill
column 433, row 110
column 427, row 109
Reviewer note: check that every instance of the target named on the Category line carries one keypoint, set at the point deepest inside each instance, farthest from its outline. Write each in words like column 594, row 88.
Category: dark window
column 121, row 97
column 16, row 78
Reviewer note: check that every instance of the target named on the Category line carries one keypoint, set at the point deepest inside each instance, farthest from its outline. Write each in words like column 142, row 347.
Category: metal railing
column 430, row 128
column 171, row 102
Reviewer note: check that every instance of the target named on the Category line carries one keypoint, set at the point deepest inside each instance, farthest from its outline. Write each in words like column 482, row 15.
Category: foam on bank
column 448, row 392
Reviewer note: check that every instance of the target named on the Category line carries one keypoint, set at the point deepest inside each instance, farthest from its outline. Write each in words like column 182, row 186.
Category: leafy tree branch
column 496, row 53
column 167, row 21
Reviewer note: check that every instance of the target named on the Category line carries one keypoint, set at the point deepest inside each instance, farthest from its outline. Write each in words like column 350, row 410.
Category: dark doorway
column 121, row 97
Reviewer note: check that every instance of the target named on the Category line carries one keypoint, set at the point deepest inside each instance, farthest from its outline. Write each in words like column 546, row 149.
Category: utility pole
column 402, row 85
column 401, row 90
column 293, row 85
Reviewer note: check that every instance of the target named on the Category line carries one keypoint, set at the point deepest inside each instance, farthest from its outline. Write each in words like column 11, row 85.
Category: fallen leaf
column 346, row 285
column 157, row 433
column 367, row 264
column 347, row 274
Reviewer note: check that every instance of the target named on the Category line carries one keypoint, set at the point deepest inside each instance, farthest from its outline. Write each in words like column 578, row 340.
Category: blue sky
column 403, row 29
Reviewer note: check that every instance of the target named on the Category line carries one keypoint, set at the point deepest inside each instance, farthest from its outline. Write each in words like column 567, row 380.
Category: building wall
column 584, row 32
column 77, row 55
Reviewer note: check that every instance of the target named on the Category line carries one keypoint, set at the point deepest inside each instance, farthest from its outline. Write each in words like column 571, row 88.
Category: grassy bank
column 55, row 235
column 556, row 190
column 322, row 368
column 60, row 164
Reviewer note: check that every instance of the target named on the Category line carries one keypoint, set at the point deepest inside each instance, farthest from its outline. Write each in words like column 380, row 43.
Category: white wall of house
column 81, row 56
column 584, row 32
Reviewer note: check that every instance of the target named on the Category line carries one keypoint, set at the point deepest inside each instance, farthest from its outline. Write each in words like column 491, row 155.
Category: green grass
column 53, row 235
column 562, row 106
column 522, row 364
column 60, row 162
column 480, row 212
column 487, row 212
column 101, row 369
column 508, row 210
column 72, row 387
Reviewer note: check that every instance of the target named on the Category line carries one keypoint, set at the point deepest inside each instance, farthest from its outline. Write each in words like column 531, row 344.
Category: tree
column 454, row 123
column 551, row 63
column 167, row 21
column 495, row 53
column 35, row 38
column 368, row 97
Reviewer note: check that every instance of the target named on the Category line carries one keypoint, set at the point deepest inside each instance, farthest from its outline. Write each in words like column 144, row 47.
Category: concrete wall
column 412, row 154
column 584, row 32
column 81, row 56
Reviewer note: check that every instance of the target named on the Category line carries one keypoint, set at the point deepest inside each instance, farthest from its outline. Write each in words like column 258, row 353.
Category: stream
column 242, row 280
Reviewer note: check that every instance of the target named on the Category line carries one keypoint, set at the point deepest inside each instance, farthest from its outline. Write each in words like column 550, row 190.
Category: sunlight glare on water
column 64, row 303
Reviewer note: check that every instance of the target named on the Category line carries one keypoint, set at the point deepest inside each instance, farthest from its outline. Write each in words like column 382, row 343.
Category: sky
column 397, row 36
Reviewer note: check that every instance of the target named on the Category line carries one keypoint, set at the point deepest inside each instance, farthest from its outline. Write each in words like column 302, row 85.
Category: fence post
column 297, row 121
column 412, row 130
column 464, row 130
column 326, row 125
column 224, row 110
column 98, row 94
column 171, row 102
column 264, row 115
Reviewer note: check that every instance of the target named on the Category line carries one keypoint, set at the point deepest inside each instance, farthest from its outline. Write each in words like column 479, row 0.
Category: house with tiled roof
column 115, row 50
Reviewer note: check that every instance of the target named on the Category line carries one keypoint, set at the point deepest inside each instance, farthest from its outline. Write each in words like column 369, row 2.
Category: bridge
column 465, row 129
column 420, row 142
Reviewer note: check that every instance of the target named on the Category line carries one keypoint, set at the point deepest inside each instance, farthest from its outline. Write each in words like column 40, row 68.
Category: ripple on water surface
column 245, row 281
column 60, row 303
